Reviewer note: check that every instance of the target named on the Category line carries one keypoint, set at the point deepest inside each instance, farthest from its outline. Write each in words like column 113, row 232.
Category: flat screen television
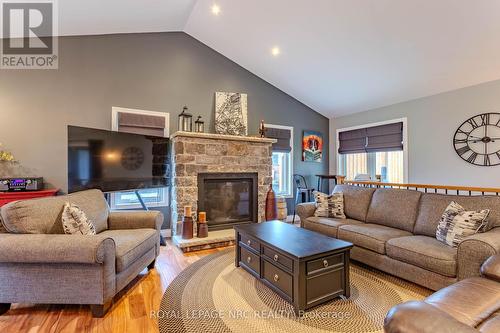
column 116, row 161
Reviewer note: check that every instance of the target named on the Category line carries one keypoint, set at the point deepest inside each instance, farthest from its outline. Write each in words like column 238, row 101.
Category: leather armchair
column 470, row 305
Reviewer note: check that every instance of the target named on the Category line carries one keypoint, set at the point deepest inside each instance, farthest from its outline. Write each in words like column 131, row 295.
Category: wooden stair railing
column 428, row 188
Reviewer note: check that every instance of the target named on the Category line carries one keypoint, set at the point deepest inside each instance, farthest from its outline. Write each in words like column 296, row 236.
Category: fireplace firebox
column 229, row 199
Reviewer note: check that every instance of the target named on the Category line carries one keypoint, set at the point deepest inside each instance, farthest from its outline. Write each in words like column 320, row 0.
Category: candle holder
column 185, row 121
column 202, row 225
column 199, row 125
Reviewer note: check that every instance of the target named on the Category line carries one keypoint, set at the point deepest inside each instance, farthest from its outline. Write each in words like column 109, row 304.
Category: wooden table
column 6, row 197
column 322, row 178
column 304, row 267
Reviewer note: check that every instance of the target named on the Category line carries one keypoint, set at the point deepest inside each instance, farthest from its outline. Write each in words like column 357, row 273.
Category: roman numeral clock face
column 477, row 140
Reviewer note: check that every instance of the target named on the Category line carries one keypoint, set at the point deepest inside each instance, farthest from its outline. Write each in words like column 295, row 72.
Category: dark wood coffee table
column 303, row 267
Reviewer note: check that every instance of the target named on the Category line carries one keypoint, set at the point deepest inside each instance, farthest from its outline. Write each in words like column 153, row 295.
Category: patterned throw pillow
column 75, row 221
column 456, row 224
column 329, row 205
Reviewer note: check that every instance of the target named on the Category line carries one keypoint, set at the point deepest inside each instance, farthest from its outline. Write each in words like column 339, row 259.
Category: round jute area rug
column 212, row 295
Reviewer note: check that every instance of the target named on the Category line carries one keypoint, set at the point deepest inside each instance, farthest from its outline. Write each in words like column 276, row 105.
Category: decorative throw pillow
column 456, row 224
column 329, row 205
column 2, row 228
column 75, row 221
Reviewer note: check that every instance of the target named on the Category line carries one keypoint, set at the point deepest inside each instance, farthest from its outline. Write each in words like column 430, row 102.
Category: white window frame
column 290, row 128
column 163, row 203
column 392, row 121
column 114, row 117
column 166, row 133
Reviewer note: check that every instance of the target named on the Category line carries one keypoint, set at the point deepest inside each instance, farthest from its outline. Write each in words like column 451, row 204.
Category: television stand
column 143, row 204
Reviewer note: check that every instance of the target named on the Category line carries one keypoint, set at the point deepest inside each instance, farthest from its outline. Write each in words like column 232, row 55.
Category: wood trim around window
column 391, row 121
column 290, row 128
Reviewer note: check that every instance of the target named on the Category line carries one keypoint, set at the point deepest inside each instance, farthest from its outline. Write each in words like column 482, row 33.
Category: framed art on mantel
column 231, row 113
column 312, row 147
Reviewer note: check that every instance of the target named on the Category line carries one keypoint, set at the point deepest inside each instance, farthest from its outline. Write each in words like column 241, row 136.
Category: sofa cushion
column 43, row 216
column 356, row 200
column 424, row 252
column 327, row 226
column 370, row 236
column 329, row 205
column 456, row 300
column 432, row 206
column 75, row 221
column 131, row 244
column 456, row 224
column 490, row 325
column 394, row 208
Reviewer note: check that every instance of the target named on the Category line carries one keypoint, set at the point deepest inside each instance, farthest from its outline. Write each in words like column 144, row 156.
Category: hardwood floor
column 130, row 312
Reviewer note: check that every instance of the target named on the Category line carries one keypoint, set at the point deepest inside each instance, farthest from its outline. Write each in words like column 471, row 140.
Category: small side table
column 322, row 178
column 6, row 197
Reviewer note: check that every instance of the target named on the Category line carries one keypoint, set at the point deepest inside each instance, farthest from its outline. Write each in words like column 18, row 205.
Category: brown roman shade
column 352, row 142
column 381, row 138
column 283, row 136
column 141, row 124
column 384, row 138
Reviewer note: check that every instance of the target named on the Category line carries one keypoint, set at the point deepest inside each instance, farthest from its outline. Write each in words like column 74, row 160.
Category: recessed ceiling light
column 275, row 51
column 215, row 9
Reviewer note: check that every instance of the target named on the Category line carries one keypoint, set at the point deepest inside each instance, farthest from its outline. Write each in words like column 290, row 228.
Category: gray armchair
column 39, row 264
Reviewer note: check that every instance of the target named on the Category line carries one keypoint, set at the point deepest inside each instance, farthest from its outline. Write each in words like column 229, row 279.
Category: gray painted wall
column 432, row 122
column 158, row 71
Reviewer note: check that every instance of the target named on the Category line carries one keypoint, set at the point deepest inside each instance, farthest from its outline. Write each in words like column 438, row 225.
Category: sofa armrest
column 305, row 210
column 135, row 219
column 420, row 317
column 74, row 249
column 491, row 268
column 474, row 250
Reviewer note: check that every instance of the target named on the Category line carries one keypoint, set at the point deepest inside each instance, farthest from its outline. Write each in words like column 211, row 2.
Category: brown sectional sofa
column 40, row 264
column 394, row 230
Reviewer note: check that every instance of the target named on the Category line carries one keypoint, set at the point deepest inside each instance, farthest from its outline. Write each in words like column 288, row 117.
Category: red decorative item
column 6, row 197
column 271, row 207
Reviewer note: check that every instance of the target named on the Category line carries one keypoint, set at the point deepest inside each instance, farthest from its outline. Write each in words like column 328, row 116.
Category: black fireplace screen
column 228, row 198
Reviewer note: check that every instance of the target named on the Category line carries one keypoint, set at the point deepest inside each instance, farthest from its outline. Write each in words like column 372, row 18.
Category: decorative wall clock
column 477, row 140
column 132, row 158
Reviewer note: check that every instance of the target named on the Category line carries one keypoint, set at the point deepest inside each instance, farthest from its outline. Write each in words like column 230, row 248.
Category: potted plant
column 6, row 156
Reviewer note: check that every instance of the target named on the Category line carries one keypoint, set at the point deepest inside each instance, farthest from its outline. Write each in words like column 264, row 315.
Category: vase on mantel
column 271, row 208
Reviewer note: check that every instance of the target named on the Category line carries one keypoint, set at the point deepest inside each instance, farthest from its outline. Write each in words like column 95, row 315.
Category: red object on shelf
column 6, row 197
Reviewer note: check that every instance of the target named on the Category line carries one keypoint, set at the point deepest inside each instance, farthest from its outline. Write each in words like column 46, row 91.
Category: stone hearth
column 195, row 153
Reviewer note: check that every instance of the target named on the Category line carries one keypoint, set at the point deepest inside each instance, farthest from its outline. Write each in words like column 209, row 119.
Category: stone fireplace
column 238, row 167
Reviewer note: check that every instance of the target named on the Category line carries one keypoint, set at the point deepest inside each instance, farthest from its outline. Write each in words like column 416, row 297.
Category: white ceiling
column 337, row 56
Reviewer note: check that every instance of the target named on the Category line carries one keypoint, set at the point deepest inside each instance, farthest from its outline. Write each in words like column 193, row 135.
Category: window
column 388, row 165
column 358, row 158
column 282, row 158
column 142, row 122
column 282, row 175
column 153, row 197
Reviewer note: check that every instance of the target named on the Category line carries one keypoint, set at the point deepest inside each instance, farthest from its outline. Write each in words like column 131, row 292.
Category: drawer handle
column 249, row 260
column 325, row 263
column 276, row 277
column 276, row 257
column 249, row 242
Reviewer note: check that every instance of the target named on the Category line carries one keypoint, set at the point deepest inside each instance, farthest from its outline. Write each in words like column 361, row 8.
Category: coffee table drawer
column 278, row 278
column 278, row 257
column 322, row 264
column 250, row 242
column 250, row 260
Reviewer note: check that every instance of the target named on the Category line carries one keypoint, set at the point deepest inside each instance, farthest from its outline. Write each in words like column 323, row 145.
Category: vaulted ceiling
column 336, row 56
